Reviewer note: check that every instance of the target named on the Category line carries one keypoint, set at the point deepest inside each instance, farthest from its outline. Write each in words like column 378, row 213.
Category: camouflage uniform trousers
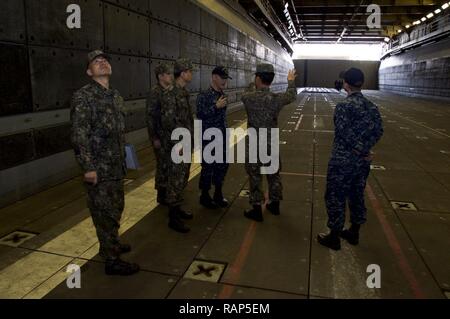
column 255, row 181
column 346, row 181
column 161, row 168
column 106, row 204
column 177, row 180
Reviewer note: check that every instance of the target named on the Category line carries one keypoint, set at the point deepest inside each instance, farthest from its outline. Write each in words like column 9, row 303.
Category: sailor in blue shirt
column 358, row 128
column 212, row 110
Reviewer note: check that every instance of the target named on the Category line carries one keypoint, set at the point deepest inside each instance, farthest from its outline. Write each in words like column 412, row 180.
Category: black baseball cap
column 354, row 77
column 222, row 72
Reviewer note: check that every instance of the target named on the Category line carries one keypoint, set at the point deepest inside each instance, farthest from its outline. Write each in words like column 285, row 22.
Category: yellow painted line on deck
column 41, row 271
column 302, row 174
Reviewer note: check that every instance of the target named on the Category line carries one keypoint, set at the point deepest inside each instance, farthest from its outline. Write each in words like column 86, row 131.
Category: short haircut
column 266, row 77
column 354, row 87
column 177, row 74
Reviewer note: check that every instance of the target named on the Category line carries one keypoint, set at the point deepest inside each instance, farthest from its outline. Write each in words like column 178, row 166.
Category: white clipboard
column 131, row 157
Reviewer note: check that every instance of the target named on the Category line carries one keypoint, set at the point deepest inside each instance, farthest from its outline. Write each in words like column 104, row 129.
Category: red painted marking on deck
column 395, row 245
column 238, row 263
column 236, row 267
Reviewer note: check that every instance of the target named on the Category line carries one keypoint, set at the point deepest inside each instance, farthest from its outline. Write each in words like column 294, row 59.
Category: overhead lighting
column 399, row 31
column 407, row 26
column 445, row 6
column 386, row 39
column 416, row 22
column 423, row 19
column 291, row 27
column 437, row 11
column 430, row 15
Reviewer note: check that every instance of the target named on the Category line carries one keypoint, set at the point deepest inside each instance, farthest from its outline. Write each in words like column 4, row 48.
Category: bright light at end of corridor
column 339, row 51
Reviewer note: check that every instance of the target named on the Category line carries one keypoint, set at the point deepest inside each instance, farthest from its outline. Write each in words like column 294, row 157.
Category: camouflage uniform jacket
column 175, row 113
column 358, row 126
column 98, row 131
column 263, row 106
column 153, row 114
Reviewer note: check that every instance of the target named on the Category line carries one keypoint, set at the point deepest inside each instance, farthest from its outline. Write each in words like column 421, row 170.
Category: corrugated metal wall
column 43, row 63
column 422, row 71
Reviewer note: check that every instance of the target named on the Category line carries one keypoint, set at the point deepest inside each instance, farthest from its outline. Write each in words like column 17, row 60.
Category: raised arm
column 291, row 92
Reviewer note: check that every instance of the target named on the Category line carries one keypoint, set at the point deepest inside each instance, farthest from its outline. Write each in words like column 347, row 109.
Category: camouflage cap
column 163, row 68
column 265, row 68
column 96, row 53
column 183, row 64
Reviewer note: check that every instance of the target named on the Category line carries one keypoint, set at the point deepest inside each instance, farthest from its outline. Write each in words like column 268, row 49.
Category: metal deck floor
column 278, row 258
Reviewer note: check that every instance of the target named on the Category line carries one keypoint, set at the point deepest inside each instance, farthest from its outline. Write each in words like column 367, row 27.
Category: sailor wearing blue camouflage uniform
column 358, row 127
column 98, row 138
column 212, row 111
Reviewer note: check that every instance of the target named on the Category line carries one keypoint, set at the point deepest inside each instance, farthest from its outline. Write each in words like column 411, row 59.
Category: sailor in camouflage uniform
column 358, row 127
column 164, row 76
column 263, row 108
column 98, row 138
column 212, row 111
column 176, row 113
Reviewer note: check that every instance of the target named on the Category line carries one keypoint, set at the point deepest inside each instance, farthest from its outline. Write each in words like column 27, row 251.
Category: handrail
column 418, row 35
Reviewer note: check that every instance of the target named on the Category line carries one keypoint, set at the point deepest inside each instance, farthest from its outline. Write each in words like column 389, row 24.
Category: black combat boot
column 175, row 221
column 207, row 201
column 274, row 207
column 161, row 198
column 119, row 249
column 330, row 240
column 184, row 215
column 218, row 197
column 124, row 248
column 118, row 267
column 255, row 213
column 351, row 235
